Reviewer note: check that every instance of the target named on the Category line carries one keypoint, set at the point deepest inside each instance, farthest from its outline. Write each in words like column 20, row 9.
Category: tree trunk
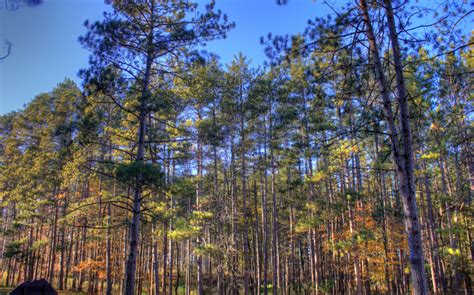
column 108, row 262
column 403, row 159
column 134, row 234
column 275, row 256
column 245, row 213
column 407, row 185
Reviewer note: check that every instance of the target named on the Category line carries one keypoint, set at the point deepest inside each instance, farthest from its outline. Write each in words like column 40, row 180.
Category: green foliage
column 210, row 132
column 184, row 230
column 14, row 248
column 202, row 215
column 148, row 174
column 212, row 250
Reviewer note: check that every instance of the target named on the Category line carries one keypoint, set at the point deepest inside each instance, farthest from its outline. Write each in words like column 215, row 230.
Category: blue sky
column 45, row 49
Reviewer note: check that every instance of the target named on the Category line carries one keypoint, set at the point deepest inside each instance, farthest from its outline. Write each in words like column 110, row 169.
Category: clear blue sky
column 45, row 49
